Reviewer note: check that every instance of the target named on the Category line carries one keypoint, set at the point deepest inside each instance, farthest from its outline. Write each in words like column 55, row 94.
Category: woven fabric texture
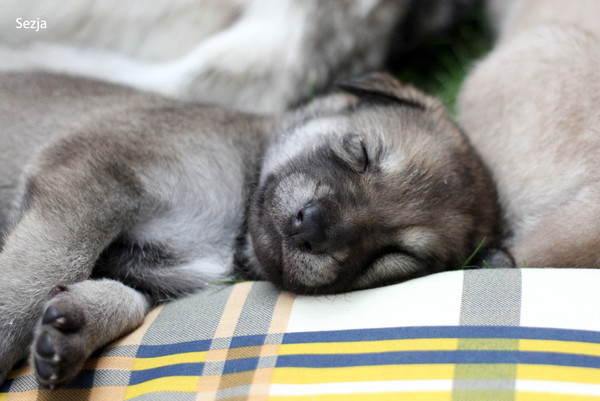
column 506, row 334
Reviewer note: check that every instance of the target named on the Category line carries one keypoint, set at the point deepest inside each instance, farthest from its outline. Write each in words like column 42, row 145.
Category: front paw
column 59, row 348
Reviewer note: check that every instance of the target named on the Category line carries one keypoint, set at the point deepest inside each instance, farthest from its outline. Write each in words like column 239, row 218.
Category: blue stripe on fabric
column 436, row 357
column 382, row 334
column 248, row 341
column 192, row 369
column 5, row 387
column 383, row 358
column 182, row 369
column 153, row 351
column 85, row 379
column 240, row 365
column 399, row 333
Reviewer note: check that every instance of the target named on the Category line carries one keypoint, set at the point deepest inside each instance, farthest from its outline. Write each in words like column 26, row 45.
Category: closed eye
column 394, row 251
column 390, row 265
column 384, row 252
column 364, row 159
column 353, row 153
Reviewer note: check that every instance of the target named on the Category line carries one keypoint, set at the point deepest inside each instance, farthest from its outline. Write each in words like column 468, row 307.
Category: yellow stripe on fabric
column 262, row 377
column 208, row 385
column 472, row 379
column 110, row 363
column 395, row 396
column 491, row 394
column 570, row 347
column 558, row 373
column 186, row 384
column 101, row 393
column 362, row 373
column 488, row 344
column 530, row 396
column 23, row 371
column 135, row 337
column 359, row 347
column 478, row 371
column 29, row 395
column 157, row 362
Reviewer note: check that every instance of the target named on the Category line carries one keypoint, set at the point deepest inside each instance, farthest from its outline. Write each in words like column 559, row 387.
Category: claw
column 56, row 290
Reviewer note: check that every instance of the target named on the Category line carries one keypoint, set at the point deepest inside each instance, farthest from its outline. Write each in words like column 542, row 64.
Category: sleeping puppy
column 112, row 200
column 254, row 55
column 531, row 109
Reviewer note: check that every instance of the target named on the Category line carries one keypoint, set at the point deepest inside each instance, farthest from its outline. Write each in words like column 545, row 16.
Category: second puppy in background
column 532, row 110
column 254, row 55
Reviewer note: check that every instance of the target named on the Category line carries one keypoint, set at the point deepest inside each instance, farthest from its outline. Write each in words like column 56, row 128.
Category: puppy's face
column 368, row 187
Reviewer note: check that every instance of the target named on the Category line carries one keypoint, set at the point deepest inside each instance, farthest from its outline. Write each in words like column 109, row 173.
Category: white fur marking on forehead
column 334, row 102
column 305, row 138
column 392, row 162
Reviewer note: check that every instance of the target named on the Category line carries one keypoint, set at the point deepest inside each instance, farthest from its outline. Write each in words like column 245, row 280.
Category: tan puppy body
column 512, row 16
column 532, row 110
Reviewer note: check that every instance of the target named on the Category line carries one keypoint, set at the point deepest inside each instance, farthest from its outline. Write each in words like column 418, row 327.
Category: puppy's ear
column 383, row 87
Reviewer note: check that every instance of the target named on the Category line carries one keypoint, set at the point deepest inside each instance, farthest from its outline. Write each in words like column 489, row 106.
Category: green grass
column 440, row 64
column 467, row 262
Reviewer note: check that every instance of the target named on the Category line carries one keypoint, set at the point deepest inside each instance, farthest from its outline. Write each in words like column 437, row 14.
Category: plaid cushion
column 527, row 335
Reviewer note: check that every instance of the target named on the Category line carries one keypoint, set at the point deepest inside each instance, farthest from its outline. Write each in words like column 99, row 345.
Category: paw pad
column 45, row 346
column 58, row 349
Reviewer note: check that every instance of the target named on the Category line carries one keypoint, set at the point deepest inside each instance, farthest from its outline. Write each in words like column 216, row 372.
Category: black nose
column 307, row 228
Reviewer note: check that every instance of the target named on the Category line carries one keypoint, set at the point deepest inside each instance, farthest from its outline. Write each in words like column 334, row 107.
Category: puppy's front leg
column 71, row 213
column 78, row 319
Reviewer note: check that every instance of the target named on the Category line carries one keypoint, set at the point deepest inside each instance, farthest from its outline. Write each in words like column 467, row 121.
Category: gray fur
column 254, row 55
column 419, row 204
column 114, row 200
column 93, row 164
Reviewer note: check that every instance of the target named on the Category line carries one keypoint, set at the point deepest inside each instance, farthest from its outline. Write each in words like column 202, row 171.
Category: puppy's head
column 366, row 187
